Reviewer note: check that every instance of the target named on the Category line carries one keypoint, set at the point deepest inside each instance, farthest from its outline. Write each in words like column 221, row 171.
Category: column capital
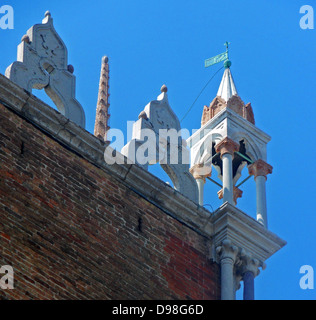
column 246, row 263
column 227, row 145
column 201, row 171
column 260, row 168
column 227, row 251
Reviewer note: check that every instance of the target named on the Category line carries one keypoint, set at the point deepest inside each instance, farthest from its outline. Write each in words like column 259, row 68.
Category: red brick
column 70, row 230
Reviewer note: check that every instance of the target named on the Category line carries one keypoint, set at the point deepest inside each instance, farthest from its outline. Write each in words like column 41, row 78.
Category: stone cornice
column 244, row 232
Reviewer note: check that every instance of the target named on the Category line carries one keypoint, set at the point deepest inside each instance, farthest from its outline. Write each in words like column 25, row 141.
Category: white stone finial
column 164, row 88
column 42, row 64
column 47, row 17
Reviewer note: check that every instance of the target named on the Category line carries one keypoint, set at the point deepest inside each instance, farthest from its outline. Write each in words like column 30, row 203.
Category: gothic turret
column 229, row 141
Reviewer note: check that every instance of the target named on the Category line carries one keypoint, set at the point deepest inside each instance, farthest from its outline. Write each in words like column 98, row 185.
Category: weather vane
column 220, row 57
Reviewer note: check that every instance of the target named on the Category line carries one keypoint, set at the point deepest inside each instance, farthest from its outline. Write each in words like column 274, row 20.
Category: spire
column 227, row 88
column 227, row 97
column 102, row 114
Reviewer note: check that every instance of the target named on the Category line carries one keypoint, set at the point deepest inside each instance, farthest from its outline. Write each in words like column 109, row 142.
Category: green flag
column 220, row 57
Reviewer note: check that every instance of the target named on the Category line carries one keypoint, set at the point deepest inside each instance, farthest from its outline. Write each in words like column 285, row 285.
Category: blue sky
column 150, row 43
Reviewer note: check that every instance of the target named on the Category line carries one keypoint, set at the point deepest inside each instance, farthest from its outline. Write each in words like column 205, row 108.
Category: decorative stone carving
column 235, row 103
column 215, row 107
column 260, row 168
column 227, row 251
column 42, row 64
column 248, row 113
column 101, row 125
column 237, row 264
column 158, row 117
column 201, row 171
column 249, row 264
column 237, row 194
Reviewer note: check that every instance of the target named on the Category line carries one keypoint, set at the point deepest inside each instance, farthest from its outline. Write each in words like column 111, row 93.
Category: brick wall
column 71, row 231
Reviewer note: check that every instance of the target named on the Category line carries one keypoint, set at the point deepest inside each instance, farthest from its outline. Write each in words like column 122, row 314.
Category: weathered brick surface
column 71, row 231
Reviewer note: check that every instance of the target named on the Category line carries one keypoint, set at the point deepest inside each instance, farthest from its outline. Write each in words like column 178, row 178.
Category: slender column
column 227, row 147
column 260, row 170
column 261, row 200
column 200, row 172
column 200, row 183
column 249, row 286
column 228, row 193
column 227, row 255
column 248, row 269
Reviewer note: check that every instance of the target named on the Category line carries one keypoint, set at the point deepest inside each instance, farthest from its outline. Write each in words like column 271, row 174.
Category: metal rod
column 243, row 181
column 243, row 156
column 214, row 182
column 215, row 155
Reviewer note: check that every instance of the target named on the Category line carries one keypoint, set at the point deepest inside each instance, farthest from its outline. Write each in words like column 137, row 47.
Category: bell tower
column 229, row 141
